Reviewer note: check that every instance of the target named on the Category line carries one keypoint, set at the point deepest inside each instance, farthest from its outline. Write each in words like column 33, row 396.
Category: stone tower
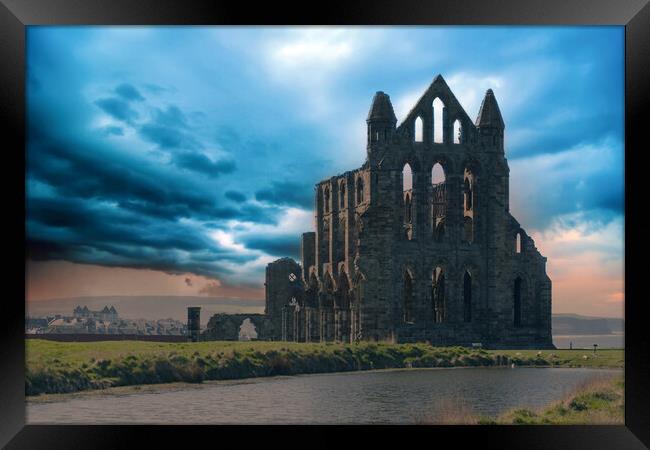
column 418, row 244
column 193, row 323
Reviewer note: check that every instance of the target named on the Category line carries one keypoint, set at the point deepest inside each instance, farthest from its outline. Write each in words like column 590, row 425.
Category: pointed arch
column 438, row 174
column 467, row 192
column 360, row 190
column 458, row 132
column 419, row 129
column 342, row 195
column 328, row 283
column 438, row 117
column 407, row 177
column 518, row 243
column 438, row 201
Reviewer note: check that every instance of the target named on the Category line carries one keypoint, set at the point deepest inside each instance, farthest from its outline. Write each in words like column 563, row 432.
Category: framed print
column 399, row 217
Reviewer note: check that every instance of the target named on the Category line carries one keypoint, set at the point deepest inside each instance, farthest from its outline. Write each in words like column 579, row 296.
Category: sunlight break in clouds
column 323, row 48
column 143, row 141
column 311, row 60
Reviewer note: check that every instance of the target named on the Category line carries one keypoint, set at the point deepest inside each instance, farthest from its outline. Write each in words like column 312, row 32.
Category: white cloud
column 293, row 221
column 310, row 62
column 468, row 88
column 323, row 48
column 403, row 104
column 227, row 240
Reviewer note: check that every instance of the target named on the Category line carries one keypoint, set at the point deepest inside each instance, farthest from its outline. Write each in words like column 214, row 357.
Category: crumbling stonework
column 418, row 244
column 225, row 327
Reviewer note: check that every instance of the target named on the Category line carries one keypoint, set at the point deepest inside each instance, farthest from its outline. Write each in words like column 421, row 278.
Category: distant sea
column 588, row 341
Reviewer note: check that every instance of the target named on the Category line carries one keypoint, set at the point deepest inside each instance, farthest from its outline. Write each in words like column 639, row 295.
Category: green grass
column 60, row 367
column 568, row 358
column 596, row 402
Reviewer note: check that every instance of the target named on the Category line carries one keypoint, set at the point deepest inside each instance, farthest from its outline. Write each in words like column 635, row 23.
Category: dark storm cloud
column 169, row 129
column 87, row 221
column 146, row 193
column 198, row 162
column 167, row 137
column 118, row 109
column 287, row 193
column 117, row 209
column 235, row 196
column 89, row 173
column 82, row 231
column 571, row 133
column 128, row 92
column 275, row 245
column 172, row 116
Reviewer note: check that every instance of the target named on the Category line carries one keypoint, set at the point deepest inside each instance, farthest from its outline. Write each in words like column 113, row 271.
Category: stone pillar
column 337, row 324
column 194, row 323
column 307, row 253
column 307, row 324
column 344, row 325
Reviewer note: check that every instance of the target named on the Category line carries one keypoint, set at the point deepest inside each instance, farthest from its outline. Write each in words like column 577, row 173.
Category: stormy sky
column 181, row 160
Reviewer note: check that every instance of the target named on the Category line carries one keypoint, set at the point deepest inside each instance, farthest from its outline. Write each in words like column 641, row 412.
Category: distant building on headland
column 104, row 321
column 106, row 314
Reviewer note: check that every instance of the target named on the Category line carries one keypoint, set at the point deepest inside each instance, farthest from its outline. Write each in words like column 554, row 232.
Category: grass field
column 598, row 401
column 59, row 367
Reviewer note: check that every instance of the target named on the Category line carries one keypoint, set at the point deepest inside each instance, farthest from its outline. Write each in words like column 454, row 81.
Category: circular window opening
column 292, row 277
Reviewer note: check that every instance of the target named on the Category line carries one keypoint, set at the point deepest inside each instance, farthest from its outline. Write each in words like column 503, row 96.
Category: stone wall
column 429, row 260
column 225, row 327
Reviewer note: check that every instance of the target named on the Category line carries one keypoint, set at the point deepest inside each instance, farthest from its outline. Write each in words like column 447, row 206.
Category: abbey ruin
column 417, row 244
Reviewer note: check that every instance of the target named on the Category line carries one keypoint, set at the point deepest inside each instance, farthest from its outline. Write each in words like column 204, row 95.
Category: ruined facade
column 417, row 244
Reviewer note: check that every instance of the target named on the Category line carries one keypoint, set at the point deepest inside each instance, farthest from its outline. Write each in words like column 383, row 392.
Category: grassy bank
column 595, row 402
column 61, row 367
column 599, row 401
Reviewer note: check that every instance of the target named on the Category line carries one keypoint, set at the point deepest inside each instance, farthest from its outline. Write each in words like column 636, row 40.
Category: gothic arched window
column 458, row 132
column 438, row 127
column 419, row 130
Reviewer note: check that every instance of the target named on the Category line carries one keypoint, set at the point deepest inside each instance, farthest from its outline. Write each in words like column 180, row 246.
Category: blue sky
column 193, row 151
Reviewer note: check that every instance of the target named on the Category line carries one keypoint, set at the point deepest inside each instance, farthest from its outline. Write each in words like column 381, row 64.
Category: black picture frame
column 15, row 15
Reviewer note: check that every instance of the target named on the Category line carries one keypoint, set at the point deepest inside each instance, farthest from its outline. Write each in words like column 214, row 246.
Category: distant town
column 105, row 321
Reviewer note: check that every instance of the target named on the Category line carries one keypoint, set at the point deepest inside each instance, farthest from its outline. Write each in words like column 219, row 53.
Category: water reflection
column 397, row 396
